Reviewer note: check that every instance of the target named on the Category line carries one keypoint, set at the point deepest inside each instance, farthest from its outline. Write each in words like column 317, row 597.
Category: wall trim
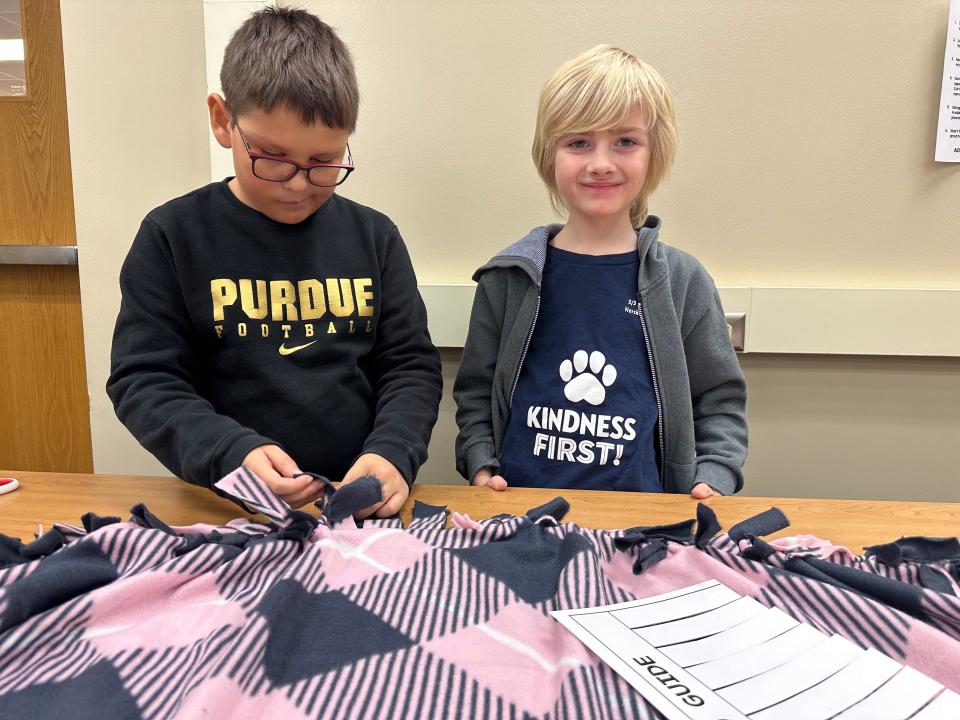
column 791, row 320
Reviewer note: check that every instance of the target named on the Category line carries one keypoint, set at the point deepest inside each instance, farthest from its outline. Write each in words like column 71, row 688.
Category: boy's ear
column 220, row 120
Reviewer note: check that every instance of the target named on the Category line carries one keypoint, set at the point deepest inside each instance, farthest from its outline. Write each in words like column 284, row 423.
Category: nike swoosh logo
column 284, row 350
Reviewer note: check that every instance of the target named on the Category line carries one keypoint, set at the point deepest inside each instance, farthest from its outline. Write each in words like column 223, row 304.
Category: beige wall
column 863, row 427
column 807, row 129
column 806, row 159
column 138, row 137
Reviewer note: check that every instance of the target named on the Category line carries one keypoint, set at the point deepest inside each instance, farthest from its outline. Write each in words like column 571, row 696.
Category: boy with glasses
column 265, row 320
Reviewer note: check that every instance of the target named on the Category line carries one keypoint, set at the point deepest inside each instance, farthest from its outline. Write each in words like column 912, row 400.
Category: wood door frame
column 45, row 409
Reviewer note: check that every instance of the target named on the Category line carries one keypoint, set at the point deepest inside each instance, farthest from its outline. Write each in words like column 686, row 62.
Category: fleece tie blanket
column 303, row 617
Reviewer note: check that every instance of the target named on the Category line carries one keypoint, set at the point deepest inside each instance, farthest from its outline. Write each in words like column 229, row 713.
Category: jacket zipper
column 523, row 355
column 656, row 388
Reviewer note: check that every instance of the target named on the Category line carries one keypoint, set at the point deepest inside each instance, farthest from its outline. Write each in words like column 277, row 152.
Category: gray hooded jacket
column 701, row 393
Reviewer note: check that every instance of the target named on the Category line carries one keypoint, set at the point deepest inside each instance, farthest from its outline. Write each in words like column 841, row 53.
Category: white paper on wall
column 948, row 128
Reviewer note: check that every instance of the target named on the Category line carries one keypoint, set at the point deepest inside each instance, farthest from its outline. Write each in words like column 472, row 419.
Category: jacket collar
column 530, row 252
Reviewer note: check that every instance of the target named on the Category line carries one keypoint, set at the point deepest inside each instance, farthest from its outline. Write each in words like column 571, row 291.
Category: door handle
column 38, row 254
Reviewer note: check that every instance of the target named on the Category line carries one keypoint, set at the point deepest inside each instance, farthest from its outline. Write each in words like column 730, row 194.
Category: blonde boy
column 597, row 356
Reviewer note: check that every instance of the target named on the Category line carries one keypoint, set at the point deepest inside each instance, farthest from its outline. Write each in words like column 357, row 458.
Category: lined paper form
column 770, row 624
column 900, row 697
column 707, row 653
column 948, row 127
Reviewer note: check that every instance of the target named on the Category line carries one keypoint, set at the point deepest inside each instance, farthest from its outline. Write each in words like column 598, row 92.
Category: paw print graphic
column 584, row 384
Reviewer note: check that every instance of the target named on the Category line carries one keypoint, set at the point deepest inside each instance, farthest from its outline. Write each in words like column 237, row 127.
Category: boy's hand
column 701, row 491
column 279, row 471
column 484, row 477
column 392, row 484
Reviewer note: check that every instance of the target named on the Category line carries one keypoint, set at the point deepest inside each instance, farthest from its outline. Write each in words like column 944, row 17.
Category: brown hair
column 288, row 56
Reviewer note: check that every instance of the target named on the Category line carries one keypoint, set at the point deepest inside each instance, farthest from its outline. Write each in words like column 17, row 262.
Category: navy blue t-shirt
column 584, row 410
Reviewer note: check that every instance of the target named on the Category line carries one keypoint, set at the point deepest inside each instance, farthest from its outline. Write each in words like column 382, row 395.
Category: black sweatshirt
column 237, row 331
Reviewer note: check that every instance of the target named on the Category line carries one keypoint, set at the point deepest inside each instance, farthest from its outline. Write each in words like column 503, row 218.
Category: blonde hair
column 598, row 90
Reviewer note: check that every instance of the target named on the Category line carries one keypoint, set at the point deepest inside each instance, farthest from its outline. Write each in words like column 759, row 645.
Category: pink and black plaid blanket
column 300, row 617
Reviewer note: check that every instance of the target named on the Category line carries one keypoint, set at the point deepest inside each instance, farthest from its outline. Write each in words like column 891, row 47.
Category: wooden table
column 50, row 497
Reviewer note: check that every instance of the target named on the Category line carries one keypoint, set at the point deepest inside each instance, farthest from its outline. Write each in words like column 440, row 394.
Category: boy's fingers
column 261, row 467
column 368, row 511
column 291, row 487
column 281, row 462
column 311, row 492
column 494, row 482
column 358, row 470
column 391, row 507
column 481, row 477
column 497, row 482
column 352, row 477
column 702, row 491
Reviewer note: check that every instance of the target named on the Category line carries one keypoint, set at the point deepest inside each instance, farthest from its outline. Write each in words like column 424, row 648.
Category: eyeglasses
column 274, row 169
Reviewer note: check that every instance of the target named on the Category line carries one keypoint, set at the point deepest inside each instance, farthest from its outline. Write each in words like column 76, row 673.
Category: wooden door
column 44, row 407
